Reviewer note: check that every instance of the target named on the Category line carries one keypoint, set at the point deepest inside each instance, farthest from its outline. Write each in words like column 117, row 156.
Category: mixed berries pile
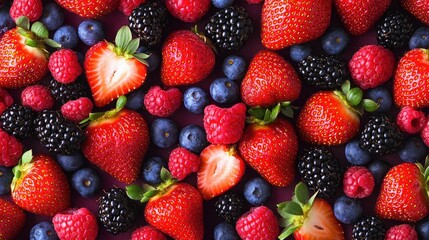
column 188, row 132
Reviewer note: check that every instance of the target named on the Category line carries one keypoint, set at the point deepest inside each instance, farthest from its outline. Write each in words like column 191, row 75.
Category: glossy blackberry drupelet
column 116, row 212
column 324, row 71
column 17, row 120
column 229, row 207
column 368, row 228
column 66, row 92
column 57, row 134
column 395, row 29
column 321, row 171
column 229, row 28
column 381, row 136
column 148, row 22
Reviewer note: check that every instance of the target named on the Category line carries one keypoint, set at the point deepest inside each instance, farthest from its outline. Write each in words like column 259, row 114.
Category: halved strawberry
column 221, row 168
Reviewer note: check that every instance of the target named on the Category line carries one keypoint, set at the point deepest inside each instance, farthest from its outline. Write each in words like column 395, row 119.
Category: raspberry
column 32, row 9
column 75, row 224
column 6, row 100
column 258, row 223
column 410, row 120
column 147, row 233
column 77, row 110
column 64, row 66
column 372, row 66
column 182, row 163
column 10, row 150
column 127, row 6
column 401, row 232
column 224, row 125
column 424, row 134
column 162, row 103
column 358, row 182
column 37, row 97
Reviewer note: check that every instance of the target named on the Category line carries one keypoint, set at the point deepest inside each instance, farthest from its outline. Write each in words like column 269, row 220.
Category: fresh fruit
column 6, row 176
column 186, row 58
column 43, row 231
column 378, row 168
column 90, row 32
column 257, row 191
column 6, row 21
column 164, row 132
column 221, row 168
column 127, row 6
column 410, row 120
column 308, row 217
column 193, row 138
column 269, row 80
column 368, row 227
column 147, row 233
column 40, row 186
column 32, row 9
column 17, row 120
column 89, row 9
column 86, row 182
column 189, row 11
column 10, row 148
column 403, row 231
column 335, row 41
column 135, row 100
column 418, row 8
column 71, row 162
column 224, row 90
column 182, row 162
column 6, row 100
column 287, row 22
column 355, row 154
column 66, row 92
column 424, row 134
column 422, row 228
column 222, row 4
column 37, row 97
column 234, row 67
column 162, row 103
column 382, row 97
column 195, row 99
column 64, row 66
column 67, row 36
column 116, row 141
column 258, row 223
column 53, row 16
column 358, row 182
column 420, row 38
column 77, row 110
column 224, row 231
column 411, row 80
column 152, row 170
column 76, row 223
column 395, row 29
column 154, row 60
column 13, row 219
column 299, row 52
column 229, row 207
column 347, row 210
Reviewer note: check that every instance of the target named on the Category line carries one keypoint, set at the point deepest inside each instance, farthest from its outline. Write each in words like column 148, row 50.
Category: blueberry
column 43, row 231
column 223, row 90
column 257, row 191
column 420, row 38
column 152, row 169
column 381, row 96
column 66, row 36
column 222, row 3
column 195, row 100
column 335, row 40
column 300, row 51
column 71, row 163
column 6, row 22
column 422, row 228
column 413, row 151
column 378, row 168
column 6, row 177
column 86, row 182
column 91, row 32
column 347, row 210
column 193, row 138
column 234, row 67
column 153, row 60
column 164, row 132
column 225, row 231
column 53, row 16
column 135, row 100
column 355, row 154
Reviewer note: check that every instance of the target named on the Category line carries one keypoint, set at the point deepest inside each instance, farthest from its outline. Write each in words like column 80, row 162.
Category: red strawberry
column 269, row 80
column 76, row 224
column 308, row 218
column 221, row 169
column 258, row 223
column 188, row 10
column 404, row 193
column 115, row 70
column 411, row 82
column 186, row 59
column 40, row 186
column 419, row 8
column 289, row 22
column 359, row 16
column 127, row 6
column 12, row 220
column 116, row 141
column 89, row 8
column 32, row 9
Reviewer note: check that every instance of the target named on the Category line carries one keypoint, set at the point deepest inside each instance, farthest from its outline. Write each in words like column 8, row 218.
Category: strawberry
column 359, row 16
column 221, row 168
column 404, row 193
column 89, row 8
column 40, row 186
column 32, row 9
column 419, row 8
column 332, row 117
column 289, row 22
column 176, row 209
column 269, row 80
column 411, row 80
column 115, row 70
column 12, row 220
column 23, row 54
column 188, row 10
column 186, row 58
column 116, row 141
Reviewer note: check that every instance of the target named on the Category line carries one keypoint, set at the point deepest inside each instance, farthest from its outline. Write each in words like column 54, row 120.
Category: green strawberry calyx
column 264, row 116
column 353, row 99
column 207, row 41
column 294, row 212
column 424, row 169
column 19, row 171
column 36, row 35
column 126, row 46
column 100, row 116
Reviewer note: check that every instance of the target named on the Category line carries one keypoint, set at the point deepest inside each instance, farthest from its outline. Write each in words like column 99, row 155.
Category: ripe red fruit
column 77, row 110
column 127, row 6
column 258, row 223
column 162, row 103
column 182, row 162
column 410, row 120
column 147, row 233
column 6, row 100
column 12, row 219
column 37, row 97
column 89, row 8
column 188, row 10
column 358, row 182
column 402, row 232
column 32, row 9
column 419, row 8
column 64, row 66
column 424, row 134
column 10, row 149
column 76, row 224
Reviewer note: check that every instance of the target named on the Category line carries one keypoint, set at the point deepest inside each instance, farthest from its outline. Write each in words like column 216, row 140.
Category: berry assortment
column 221, row 119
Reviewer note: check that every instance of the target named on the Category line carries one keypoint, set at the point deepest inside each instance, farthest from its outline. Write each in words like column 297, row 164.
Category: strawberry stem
column 120, row 104
column 264, row 116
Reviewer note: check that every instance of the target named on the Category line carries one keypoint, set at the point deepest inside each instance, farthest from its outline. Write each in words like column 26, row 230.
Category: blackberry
column 381, row 136
column 57, row 134
column 368, row 228
column 324, row 71
column 148, row 22
column 321, row 171
column 395, row 29
column 229, row 28
column 116, row 212
column 17, row 120
column 66, row 92
column 229, row 207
